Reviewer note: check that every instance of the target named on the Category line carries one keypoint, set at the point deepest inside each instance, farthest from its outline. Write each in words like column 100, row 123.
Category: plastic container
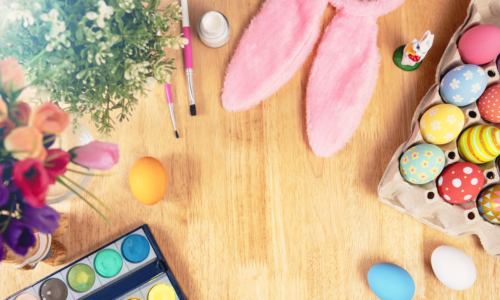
column 214, row 29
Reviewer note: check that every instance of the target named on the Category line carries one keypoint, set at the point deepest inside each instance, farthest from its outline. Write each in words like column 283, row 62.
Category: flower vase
column 68, row 139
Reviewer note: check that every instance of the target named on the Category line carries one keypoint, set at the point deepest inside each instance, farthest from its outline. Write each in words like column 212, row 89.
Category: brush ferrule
column 171, row 106
column 189, row 73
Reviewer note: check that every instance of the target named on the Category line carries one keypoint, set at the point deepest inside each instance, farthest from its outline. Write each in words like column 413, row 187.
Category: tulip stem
column 90, row 174
column 85, row 190
column 50, row 139
column 80, row 196
column 8, row 218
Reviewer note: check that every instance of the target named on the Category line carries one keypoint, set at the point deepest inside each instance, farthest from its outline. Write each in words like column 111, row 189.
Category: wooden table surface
column 250, row 211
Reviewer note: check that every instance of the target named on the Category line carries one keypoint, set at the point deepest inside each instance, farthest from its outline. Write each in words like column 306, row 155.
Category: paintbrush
column 171, row 106
column 188, row 55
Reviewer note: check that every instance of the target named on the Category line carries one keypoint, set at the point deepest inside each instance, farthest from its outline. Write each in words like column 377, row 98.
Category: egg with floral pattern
column 422, row 163
column 463, row 85
column 442, row 124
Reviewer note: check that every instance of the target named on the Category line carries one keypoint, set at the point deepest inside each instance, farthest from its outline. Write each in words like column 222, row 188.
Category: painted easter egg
column 489, row 104
column 479, row 144
column 422, row 163
column 148, row 180
column 463, row 85
column 453, row 267
column 488, row 204
column 441, row 124
column 460, row 182
column 480, row 45
column 390, row 282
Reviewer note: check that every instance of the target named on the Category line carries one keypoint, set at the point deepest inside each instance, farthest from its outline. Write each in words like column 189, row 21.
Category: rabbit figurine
column 343, row 75
column 415, row 51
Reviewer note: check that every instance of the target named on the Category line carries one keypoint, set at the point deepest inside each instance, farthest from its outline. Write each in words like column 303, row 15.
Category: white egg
column 453, row 267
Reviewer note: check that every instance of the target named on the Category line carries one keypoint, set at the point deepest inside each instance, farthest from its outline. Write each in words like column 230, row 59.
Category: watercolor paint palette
column 129, row 268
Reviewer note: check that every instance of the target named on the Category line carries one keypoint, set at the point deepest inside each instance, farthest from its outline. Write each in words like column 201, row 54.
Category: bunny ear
column 342, row 81
column 425, row 36
column 374, row 8
column 429, row 40
column 273, row 48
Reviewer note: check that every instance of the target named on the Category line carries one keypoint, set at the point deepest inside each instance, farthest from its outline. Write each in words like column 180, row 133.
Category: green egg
column 422, row 163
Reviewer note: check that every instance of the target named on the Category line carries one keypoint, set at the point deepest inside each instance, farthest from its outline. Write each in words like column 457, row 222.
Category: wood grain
column 251, row 212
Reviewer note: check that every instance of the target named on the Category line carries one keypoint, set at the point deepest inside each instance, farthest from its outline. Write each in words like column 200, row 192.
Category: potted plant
column 94, row 56
column 29, row 164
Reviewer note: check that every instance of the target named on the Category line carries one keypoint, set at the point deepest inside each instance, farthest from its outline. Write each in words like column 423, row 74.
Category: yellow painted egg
column 148, row 180
column 480, row 144
column 442, row 124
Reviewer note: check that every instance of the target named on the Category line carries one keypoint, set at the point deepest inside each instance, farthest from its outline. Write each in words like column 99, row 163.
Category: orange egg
column 148, row 180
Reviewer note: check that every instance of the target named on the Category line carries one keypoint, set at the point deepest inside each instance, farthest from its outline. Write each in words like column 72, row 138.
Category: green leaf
column 136, row 31
column 79, row 33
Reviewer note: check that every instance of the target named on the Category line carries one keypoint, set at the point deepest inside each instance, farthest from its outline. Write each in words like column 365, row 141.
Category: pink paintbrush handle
column 188, row 50
column 169, row 93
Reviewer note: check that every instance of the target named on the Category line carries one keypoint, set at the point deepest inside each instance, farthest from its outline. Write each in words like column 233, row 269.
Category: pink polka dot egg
column 489, row 104
column 460, row 182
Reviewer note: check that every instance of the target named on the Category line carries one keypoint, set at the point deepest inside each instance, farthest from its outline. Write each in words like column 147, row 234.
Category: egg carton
column 423, row 202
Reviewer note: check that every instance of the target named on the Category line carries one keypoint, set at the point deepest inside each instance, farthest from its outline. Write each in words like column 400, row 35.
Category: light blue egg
column 391, row 282
column 463, row 85
column 422, row 164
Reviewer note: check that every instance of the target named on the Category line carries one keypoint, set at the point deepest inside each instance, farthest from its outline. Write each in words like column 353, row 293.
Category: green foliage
column 91, row 56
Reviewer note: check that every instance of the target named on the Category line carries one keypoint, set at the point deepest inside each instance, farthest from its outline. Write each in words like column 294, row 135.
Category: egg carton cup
column 423, row 202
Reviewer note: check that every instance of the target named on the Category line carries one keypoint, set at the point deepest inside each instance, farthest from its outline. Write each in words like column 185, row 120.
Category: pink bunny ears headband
column 343, row 75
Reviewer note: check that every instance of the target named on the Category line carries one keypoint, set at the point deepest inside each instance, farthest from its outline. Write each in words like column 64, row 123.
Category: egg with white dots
column 460, row 182
column 463, row 85
column 489, row 104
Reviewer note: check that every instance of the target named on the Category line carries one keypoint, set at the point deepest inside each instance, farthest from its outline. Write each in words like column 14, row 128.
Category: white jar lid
column 213, row 24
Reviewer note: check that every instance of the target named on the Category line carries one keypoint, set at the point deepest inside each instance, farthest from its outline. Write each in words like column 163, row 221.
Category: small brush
column 168, row 91
column 188, row 55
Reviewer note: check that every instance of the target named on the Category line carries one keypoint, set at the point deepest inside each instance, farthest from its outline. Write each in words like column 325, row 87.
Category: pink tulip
column 6, row 127
column 25, row 142
column 96, row 155
column 49, row 118
column 4, row 111
column 20, row 112
column 32, row 178
column 11, row 75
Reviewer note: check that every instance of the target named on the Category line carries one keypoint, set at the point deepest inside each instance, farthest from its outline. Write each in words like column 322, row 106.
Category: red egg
column 489, row 104
column 460, row 182
column 480, row 45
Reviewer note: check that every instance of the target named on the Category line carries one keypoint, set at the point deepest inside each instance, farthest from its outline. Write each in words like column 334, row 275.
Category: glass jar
column 67, row 140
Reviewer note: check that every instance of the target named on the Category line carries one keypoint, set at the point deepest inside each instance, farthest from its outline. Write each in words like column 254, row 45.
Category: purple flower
column 7, row 166
column 19, row 237
column 43, row 219
column 4, row 194
column 15, row 193
column 48, row 140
